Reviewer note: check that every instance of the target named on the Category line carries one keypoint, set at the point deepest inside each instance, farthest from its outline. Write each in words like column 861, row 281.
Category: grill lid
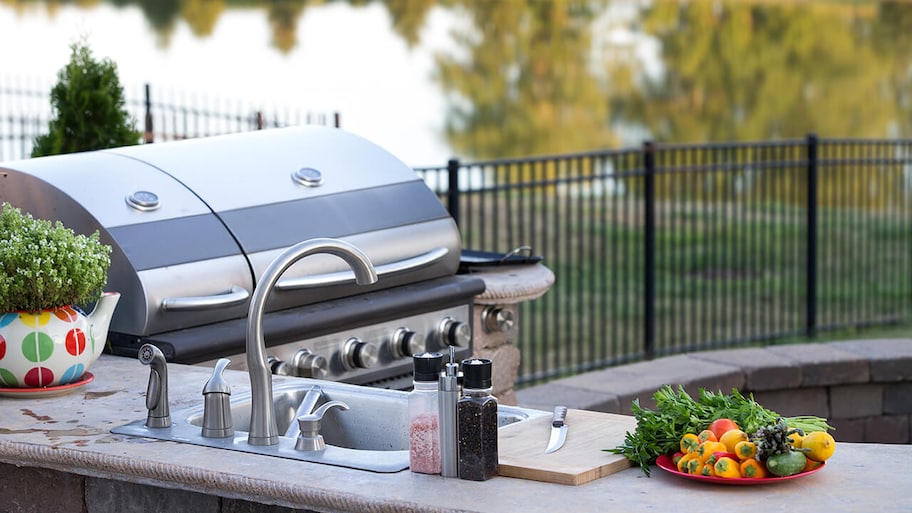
column 194, row 224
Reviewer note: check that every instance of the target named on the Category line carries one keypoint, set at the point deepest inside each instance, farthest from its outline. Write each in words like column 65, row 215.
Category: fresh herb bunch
column 659, row 431
column 44, row 265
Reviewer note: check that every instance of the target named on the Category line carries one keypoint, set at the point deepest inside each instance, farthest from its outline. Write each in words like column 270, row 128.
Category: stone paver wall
column 863, row 387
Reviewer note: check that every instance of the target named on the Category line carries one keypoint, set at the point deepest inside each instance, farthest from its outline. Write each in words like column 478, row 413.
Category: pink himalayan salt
column 424, row 444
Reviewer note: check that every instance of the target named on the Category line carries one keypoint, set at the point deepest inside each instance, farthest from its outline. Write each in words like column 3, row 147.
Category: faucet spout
column 263, row 427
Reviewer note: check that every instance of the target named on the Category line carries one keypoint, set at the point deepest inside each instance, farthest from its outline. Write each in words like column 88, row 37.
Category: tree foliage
column 521, row 83
column 88, row 108
column 751, row 71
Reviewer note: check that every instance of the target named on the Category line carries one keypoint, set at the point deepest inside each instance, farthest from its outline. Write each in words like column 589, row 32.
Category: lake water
column 483, row 79
column 345, row 60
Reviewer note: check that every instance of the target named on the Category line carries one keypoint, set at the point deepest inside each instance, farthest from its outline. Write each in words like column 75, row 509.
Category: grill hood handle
column 235, row 296
column 343, row 277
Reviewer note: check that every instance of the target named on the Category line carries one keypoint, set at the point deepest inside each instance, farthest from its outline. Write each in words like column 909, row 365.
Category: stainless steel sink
column 371, row 435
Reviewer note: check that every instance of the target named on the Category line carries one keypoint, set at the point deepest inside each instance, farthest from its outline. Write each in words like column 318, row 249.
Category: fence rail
column 667, row 249
column 160, row 115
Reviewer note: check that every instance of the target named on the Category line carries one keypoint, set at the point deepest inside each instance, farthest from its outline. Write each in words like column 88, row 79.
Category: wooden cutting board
column 521, row 448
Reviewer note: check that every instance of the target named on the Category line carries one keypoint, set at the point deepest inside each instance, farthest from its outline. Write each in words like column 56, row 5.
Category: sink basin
column 375, row 421
column 371, row 435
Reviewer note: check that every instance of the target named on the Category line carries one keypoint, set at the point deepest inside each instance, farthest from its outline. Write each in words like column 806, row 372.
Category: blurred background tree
column 87, row 104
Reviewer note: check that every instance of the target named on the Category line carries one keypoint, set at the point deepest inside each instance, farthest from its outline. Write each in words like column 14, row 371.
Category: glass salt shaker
column 423, row 409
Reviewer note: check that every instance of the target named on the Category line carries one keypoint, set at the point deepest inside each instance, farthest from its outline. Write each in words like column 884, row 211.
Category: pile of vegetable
column 677, row 414
column 724, row 450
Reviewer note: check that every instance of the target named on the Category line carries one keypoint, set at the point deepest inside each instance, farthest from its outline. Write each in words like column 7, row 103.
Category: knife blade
column 558, row 429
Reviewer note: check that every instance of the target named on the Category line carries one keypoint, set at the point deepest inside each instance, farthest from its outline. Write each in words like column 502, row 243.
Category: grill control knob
column 358, row 354
column 406, row 342
column 278, row 367
column 497, row 319
column 309, row 365
column 454, row 333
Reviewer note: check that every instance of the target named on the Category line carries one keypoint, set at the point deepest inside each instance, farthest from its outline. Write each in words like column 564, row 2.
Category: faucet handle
column 216, row 383
column 216, row 405
column 310, row 438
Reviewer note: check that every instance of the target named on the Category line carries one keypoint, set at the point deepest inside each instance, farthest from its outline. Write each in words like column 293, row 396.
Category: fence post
column 453, row 189
column 148, row 137
column 649, row 236
column 260, row 122
column 810, row 327
column 337, row 119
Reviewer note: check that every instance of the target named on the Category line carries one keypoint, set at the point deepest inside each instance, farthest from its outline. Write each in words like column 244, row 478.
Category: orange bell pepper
column 752, row 468
column 707, row 436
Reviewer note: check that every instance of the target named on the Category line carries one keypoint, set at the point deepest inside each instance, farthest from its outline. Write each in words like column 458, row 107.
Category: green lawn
column 725, row 276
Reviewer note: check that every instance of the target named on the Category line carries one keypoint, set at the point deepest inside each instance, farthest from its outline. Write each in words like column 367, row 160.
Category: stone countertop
column 71, row 433
column 512, row 284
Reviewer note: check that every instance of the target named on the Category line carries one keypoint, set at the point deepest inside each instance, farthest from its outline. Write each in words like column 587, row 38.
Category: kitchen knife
column 558, row 429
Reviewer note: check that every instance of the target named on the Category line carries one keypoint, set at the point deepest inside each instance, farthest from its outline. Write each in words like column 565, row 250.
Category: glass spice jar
column 476, row 419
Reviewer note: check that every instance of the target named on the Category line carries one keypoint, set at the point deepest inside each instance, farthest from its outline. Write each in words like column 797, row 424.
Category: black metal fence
column 674, row 248
column 160, row 115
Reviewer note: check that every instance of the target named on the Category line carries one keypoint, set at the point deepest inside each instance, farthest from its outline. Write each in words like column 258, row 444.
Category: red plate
column 667, row 464
column 47, row 391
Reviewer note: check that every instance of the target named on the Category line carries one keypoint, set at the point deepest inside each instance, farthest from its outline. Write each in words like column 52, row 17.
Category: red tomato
column 720, row 426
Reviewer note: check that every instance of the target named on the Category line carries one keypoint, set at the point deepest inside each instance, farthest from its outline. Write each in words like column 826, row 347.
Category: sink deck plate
column 384, row 444
column 184, row 432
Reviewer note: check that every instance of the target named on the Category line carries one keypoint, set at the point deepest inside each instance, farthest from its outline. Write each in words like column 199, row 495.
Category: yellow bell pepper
column 727, row 467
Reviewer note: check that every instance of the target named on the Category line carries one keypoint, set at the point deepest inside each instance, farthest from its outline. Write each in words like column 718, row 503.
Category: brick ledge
column 864, row 387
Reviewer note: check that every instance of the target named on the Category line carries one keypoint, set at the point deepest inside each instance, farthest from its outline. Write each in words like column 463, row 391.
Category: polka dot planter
column 52, row 347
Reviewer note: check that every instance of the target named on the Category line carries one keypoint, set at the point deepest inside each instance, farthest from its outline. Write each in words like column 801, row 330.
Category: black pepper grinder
column 476, row 418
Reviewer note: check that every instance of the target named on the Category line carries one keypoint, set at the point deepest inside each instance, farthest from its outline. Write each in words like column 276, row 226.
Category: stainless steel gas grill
column 194, row 224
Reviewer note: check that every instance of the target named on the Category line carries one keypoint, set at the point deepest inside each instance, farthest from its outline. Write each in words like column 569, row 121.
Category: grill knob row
column 358, row 354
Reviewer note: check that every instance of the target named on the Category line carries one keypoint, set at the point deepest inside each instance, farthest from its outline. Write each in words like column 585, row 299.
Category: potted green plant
column 46, row 270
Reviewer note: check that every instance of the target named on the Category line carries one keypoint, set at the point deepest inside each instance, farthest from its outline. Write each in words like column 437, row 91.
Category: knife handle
column 560, row 413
